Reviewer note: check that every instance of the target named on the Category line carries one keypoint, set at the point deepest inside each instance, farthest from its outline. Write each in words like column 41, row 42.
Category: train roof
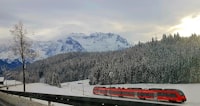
column 155, row 89
column 111, row 87
column 172, row 89
column 134, row 88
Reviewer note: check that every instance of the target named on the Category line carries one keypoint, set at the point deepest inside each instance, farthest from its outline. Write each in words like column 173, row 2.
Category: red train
column 156, row 94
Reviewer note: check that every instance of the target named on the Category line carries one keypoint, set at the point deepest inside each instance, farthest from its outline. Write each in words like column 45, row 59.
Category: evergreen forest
column 172, row 59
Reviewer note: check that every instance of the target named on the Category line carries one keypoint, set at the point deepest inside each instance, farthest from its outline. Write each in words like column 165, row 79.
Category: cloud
column 4, row 32
column 136, row 20
column 188, row 25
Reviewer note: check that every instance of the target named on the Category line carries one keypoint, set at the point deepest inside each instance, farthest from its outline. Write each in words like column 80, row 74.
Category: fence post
column 49, row 103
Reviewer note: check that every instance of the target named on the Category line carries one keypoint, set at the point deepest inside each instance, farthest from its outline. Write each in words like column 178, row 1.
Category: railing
column 83, row 101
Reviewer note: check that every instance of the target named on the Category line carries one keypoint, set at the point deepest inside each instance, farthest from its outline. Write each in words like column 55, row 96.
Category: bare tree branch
column 22, row 46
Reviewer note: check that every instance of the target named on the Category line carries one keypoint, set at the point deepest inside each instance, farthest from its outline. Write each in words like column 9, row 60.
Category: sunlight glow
column 188, row 26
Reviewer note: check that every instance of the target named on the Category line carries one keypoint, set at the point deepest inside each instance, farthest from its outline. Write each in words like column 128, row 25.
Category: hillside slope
column 173, row 59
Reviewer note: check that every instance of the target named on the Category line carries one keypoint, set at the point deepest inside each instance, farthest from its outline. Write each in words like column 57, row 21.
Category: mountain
column 79, row 42
column 74, row 42
column 100, row 42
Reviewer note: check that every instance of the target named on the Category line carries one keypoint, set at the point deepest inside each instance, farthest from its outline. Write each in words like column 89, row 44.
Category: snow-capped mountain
column 79, row 42
column 51, row 48
column 101, row 42
column 74, row 42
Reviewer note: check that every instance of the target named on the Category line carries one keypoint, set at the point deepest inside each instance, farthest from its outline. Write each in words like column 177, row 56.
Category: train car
column 172, row 95
column 156, row 94
column 100, row 91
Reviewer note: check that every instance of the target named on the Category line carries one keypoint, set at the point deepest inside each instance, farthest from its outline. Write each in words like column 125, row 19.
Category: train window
column 166, row 94
column 180, row 93
column 125, row 93
column 162, row 94
column 139, row 94
column 151, row 94
column 132, row 93
column 102, row 91
column 115, row 92
column 145, row 94
column 128, row 93
column 172, row 95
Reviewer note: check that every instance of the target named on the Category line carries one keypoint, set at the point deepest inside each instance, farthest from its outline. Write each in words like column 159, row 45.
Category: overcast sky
column 136, row 20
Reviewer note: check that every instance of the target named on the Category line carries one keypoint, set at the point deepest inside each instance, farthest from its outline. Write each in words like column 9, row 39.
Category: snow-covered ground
column 12, row 82
column 82, row 88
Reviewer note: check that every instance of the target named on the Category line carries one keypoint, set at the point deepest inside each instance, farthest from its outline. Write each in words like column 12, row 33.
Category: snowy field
column 82, row 88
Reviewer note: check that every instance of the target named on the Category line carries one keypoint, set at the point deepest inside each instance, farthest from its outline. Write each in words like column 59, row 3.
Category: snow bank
column 82, row 88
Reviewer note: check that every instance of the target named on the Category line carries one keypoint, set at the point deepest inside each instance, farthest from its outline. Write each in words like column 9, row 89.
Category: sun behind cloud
column 189, row 25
